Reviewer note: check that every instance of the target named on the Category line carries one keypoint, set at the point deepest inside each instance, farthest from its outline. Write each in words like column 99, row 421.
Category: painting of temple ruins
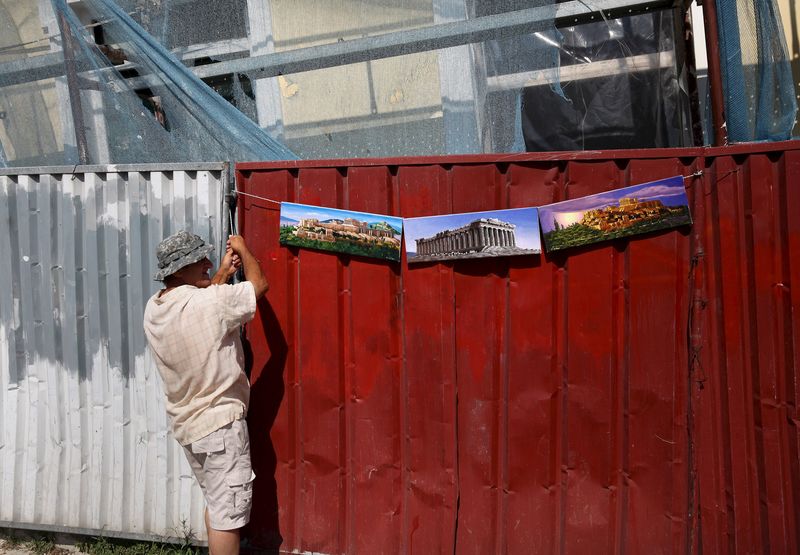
column 344, row 231
column 620, row 213
column 472, row 235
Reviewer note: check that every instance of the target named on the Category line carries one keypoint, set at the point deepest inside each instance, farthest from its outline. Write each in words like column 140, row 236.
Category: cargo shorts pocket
column 210, row 451
column 212, row 443
column 240, row 485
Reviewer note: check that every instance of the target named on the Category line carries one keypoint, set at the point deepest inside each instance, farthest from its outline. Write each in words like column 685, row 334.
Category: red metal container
column 637, row 396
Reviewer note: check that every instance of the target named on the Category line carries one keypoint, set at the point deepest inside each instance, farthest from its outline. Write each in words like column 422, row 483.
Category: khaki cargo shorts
column 221, row 464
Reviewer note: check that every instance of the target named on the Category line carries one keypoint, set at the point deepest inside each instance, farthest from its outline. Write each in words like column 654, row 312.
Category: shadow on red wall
column 263, row 534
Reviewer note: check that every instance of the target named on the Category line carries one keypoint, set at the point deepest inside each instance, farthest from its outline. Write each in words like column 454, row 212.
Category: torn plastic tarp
column 201, row 124
column 156, row 111
column 625, row 108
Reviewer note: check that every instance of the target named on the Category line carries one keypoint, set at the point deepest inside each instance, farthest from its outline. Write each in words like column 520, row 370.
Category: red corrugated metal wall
column 637, row 396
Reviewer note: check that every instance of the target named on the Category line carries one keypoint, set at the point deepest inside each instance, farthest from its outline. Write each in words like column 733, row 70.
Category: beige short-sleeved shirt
column 194, row 336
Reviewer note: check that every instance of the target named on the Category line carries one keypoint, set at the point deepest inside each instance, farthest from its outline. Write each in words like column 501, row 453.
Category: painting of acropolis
column 472, row 235
column 620, row 213
column 344, row 231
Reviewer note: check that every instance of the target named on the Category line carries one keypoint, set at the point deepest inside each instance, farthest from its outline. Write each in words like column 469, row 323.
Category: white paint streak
column 17, row 318
column 62, row 485
column 113, row 217
column 25, row 183
column 7, row 429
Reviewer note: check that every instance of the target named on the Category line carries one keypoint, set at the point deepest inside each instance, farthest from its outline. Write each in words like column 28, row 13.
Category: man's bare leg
column 222, row 542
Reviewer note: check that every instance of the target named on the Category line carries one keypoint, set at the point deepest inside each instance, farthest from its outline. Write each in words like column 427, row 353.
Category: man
column 192, row 327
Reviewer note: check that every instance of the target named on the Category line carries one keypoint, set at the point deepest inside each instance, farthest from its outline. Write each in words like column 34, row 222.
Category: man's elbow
column 260, row 286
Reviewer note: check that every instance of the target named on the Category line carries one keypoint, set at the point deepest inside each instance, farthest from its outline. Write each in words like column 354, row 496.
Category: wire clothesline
column 698, row 173
column 258, row 197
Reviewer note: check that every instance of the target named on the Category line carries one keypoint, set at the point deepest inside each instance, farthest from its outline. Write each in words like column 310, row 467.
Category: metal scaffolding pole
column 74, row 89
column 715, row 73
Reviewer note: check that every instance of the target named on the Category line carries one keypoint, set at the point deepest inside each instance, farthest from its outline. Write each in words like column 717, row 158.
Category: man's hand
column 230, row 263
column 252, row 269
column 236, row 244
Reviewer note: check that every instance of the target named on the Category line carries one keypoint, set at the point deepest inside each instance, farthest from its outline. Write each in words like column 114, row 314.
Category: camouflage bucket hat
column 179, row 250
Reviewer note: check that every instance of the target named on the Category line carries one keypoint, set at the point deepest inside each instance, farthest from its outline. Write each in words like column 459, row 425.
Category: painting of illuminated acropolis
column 345, row 231
column 472, row 235
column 620, row 213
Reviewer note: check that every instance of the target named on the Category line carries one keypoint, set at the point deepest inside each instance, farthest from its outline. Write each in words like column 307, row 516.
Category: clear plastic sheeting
column 419, row 103
column 149, row 107
column 537, row 51
column 185, row 117
column 760, row 103
column 621, row 89
column 492, row 76
column 182, row 24
column 481, row 97
column 30, row 123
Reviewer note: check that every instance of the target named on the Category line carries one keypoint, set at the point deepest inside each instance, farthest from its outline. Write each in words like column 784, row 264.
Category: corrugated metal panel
column 637, row 396
column 84, row 432
column 747, row 412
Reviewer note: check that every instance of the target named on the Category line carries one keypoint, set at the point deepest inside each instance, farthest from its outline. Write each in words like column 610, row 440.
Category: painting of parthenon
column 475, row 236
column 472, row 235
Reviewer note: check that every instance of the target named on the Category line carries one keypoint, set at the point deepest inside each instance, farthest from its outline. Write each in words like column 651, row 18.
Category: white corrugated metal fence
column 84, row 444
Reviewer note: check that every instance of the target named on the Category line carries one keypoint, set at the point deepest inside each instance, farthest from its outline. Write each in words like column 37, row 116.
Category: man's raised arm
column 250, row 265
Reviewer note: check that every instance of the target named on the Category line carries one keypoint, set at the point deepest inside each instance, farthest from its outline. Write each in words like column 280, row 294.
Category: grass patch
column 44, row 544
column 41, row 545
column 109, row 546
column 9, row 540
